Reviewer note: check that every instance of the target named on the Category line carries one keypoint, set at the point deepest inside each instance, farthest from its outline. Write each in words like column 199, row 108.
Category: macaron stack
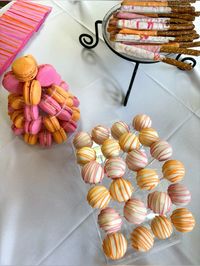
column 40, row 106
column 123, row 164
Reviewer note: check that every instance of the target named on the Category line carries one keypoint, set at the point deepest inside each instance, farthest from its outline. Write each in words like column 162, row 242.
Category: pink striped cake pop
column 118, row 129
column 136, row 160
column 159, row 202
column 135, row 211
column 100, row 134
column 109, row 220
column 115, row 167
column 161, row 150
column 82, row 139
column 141, row 121
column 179, row 194
column 92, row 172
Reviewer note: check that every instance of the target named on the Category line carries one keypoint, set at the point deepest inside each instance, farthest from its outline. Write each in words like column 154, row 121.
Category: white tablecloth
column 44, row 217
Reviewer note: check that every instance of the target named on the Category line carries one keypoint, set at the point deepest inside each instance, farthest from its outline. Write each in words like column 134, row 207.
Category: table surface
column 44, row 217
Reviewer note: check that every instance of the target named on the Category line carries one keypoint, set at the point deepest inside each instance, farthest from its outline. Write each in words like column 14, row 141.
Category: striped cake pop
column 92, row 173
column 142, row 239
column 147, row 179
column 118, row 129
column 109, row 220
column 161, row 227
column 110, row 148
column 98, row 197
column 183, row 220
column 121, row 189
column 148, row 136
column 179, row 194
column 115, row 167
column 159, row 202
column 173, row 170
column 85, row 155
column 100, row 134
column 115, row 246
column 135, row 211
column 136, row 160
column 129, row 142
column 82, row 139
column 161, row 150
column 141, row 121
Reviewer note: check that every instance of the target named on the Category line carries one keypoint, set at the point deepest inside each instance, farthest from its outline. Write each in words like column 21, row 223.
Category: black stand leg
column 131, row 83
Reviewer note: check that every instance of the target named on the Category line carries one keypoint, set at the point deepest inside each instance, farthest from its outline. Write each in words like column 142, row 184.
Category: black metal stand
column 87, row 41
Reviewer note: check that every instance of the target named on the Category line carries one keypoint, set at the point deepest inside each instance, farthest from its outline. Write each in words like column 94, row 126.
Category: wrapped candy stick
column 144, row 54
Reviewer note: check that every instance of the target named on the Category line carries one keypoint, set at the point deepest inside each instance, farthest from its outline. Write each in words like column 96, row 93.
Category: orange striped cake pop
column 141, row 121
column 142, row 239
column 82, row 139
column 98, row 197
column 161, row 227
column 161, row 150
column 121, row 189
column 109, row 220
column 147, row 179
column 129, row 142
column 85, row 155
column 136, row 160
column 173, row 170
column 183, row 220
column 92, row 172
column 115, row 167
column 118, row 129
column 110, row 148
column 148, row 136
column 135, row 211
column 115, row 246
column 100, row 134
column 159, row 202
column 179, row 194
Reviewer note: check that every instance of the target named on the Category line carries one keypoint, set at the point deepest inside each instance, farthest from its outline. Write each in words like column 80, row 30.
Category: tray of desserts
column 152, row 31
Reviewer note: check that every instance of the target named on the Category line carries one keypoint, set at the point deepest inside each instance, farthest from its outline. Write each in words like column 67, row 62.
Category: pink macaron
column 64, row 85
column 11, row 84
column 45, row 138
column 47, row 75
column 69, row 126
column 33, row 127
column 65, row 113
column 49, row 105
column 17, row 131
column 76, row 101
column 31, row 112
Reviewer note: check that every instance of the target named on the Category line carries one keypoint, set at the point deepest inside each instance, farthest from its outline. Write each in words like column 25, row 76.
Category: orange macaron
column 30, row 139
column 60, row 95
column 16, row 101
column 25, row 68
column 17, row 118
column 51, row 123
column 60, row 136
column 32, row 92
column 75, row 114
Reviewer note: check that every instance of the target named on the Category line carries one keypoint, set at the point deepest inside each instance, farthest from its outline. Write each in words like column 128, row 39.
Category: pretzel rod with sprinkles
column 168, row 49
column 178, row 1
column 158, row 9
column 141, row 53
column 151, row 25
column 151, row 19
column 154, row 3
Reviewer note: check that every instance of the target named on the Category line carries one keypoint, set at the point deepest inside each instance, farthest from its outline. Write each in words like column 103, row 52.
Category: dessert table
column 45, row 219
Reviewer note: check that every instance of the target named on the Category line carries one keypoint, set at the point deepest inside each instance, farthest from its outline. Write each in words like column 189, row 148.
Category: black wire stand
column 87, row 41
